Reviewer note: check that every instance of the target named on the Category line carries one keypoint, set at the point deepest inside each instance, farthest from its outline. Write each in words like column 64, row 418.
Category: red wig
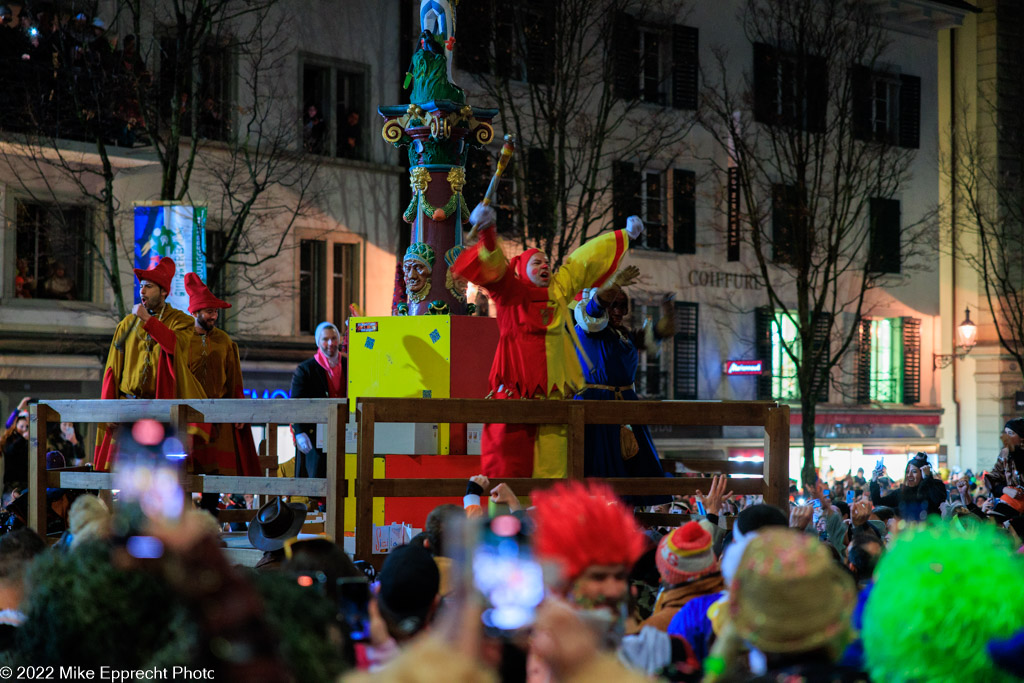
column 581, row 525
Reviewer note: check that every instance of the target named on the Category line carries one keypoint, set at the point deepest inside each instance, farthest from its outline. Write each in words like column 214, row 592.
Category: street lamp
column 966, row 338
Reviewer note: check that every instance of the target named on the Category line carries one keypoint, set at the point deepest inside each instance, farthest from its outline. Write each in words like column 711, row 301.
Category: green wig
column 940, row 595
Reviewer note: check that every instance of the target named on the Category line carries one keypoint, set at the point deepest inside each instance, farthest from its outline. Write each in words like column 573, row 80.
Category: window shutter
column 815, row 91
column 884, row 236
column 474, row 38
column 539, row 37
column 820, row 343
column 864, row 362
column 684, row 351
column 860, row 102
column 626, row 55
column 506, row 42
column 910, row 111
column 684, row 67
column 787, row 203
column 539, row 200
column 766, row 83
column 911, row 361
column 625, row 192
column 684, row 211
column 763, row 316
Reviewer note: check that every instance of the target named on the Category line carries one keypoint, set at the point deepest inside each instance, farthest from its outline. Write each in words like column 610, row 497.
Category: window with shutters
column 889, row 361
column 655, row 63
column 645, row 194
column 886, row 107
column 328, row 282
column 333, row 109
column 884, row 236
column 652, row 211
column 684, row 351
column 777, row 344
column 652, row 373
column 790, row 89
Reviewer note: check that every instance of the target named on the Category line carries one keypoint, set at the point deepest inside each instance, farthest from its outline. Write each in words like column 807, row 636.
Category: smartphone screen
column 354, row 606
column 507, row 575
column 701, row 509
column 849, row 497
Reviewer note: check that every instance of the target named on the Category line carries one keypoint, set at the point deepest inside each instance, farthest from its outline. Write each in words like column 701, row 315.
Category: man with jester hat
column 535, row 356
column 214, row 361
column 418, row 265
column 149, row 354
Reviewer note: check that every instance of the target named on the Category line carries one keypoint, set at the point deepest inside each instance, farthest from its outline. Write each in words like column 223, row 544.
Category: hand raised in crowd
column 481, row 480
column 860, row 512
column 713, row 501
column 800, row 516
column 627, row 276
column 963, row 488
column 503, row 494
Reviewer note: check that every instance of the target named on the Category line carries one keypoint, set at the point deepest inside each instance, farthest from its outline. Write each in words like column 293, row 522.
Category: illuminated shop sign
column 744, row 367
column 266, row 393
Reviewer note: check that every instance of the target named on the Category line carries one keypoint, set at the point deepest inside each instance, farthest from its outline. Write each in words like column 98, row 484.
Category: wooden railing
column 773, row 483
column 269, row 412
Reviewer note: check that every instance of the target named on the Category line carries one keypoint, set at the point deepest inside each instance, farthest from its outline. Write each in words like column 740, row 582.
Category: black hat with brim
column 275, row 523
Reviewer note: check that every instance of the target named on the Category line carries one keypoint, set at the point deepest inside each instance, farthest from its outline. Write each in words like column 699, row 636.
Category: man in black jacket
column 322, row 376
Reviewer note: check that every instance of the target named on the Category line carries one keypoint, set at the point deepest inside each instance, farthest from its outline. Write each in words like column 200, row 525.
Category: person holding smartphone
column 920, row 495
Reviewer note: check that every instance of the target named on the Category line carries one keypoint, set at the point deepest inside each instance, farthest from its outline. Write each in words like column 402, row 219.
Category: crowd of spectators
column 863, row 578
column 65, row 75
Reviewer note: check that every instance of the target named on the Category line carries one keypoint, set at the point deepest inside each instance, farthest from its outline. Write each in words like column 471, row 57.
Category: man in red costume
column 213, row 359
column 536, row 357
column 148, row 355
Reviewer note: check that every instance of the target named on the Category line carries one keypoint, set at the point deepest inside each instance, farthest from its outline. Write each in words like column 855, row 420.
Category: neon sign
column 744, row 367
column 266, row 393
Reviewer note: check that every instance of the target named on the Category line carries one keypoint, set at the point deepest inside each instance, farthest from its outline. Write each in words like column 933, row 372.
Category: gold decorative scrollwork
column 419, row 178
column 440, row 129
column 392, row 131
column 484, row 133
column 457, row 179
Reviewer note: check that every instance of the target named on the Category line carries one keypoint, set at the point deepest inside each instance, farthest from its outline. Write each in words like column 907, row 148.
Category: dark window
column 213, row 70
column 343, row 281
column 214, row 257
column 520, row 38
column 789, row 223
column 884, row 236
column 52, row 252
column 886, row 107
column 684, row 211
column 652, row 375
column 625, row 193
column 333, row 111
column 652, row 204
column 684, row 351
column 790, row 89
column 312, row 284
column 655, row 63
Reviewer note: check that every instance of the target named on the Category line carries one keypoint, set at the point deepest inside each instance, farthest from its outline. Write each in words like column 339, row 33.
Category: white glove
column 483, row 216
column 303, row 442
column 634, row 226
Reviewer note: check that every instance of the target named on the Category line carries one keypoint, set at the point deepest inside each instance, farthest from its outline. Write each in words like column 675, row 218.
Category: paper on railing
column 390, row 536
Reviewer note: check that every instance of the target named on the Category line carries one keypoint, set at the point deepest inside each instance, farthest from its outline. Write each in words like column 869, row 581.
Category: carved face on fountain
column 418, row 265
column 456, row 284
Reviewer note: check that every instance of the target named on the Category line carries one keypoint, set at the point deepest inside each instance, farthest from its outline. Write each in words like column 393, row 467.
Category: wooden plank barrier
column 773, row 483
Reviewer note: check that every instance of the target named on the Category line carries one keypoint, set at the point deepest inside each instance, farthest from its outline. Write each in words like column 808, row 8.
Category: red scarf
column 333, row 374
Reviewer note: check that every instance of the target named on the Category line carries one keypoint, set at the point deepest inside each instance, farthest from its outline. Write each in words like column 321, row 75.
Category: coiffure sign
column 743, row 367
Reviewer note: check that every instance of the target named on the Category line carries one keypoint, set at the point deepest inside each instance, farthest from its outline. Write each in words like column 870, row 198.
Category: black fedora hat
column 275, row 523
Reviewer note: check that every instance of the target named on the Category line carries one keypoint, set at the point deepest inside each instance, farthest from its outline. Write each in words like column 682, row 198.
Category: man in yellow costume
column 535, row 357
column 213, row 359
column 149, row 353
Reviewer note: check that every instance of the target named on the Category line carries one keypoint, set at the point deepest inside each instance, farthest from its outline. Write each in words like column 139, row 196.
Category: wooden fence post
column 40, row 416
column 776, row 457
column 364, row 482
column 337, row 418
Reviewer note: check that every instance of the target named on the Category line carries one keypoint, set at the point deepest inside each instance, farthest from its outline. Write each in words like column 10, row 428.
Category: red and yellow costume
column 213, row 359
column 535, row 356
column 147, row 360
